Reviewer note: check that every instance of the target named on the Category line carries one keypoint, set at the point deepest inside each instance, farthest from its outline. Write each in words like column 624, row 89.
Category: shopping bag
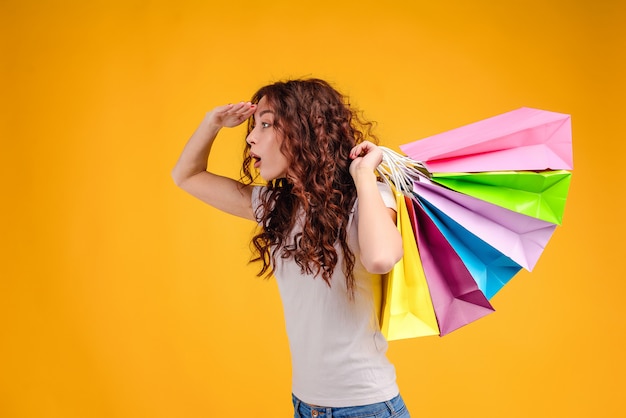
column 523, row 139
column 520, row 237
column 407, row 309
column 455, row 295
column 541, row 195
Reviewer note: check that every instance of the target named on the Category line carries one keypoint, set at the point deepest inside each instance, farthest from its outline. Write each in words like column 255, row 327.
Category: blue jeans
column 393, row 408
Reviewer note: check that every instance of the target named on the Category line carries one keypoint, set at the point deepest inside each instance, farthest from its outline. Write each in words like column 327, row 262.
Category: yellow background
column 123, row 297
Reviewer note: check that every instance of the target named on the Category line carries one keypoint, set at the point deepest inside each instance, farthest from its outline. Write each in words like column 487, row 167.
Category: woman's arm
column 190, row 172
column 379, row 238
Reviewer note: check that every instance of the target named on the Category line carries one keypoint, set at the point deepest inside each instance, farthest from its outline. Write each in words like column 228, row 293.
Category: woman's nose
column 250, row 138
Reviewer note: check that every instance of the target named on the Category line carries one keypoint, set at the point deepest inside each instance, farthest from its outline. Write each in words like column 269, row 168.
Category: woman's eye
column 265, row 124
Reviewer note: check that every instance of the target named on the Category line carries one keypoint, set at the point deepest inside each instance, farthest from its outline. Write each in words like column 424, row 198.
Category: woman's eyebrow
column 266, row 111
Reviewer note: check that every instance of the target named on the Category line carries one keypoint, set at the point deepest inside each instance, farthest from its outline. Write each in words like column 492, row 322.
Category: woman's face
column 265, row 141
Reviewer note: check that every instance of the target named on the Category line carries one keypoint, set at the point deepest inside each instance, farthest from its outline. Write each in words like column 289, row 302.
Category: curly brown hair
column 319, row 128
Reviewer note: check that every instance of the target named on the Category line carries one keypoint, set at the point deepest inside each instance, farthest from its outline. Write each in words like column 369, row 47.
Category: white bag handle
column 400, row 171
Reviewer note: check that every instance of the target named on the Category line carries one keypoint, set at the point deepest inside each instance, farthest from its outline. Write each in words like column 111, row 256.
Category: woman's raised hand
column 366, row 156
column 231, row 115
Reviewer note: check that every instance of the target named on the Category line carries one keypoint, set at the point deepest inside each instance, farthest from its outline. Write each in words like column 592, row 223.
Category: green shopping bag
column 541, row 195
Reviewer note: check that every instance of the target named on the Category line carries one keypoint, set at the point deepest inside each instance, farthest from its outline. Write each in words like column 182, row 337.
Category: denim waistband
column 391, row 408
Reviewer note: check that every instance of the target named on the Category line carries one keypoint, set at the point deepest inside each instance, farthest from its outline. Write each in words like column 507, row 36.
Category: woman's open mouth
column 257, row 160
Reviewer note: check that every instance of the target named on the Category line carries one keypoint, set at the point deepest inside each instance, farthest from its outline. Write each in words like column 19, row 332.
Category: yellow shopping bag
column 407, row 309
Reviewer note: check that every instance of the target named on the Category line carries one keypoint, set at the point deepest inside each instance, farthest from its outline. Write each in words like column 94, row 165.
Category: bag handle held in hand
column 400, row 171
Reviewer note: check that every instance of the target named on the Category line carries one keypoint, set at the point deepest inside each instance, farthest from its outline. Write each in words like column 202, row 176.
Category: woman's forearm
column 195, row 154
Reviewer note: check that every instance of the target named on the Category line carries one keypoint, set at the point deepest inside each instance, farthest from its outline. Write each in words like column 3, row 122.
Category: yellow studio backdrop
column 123, row 297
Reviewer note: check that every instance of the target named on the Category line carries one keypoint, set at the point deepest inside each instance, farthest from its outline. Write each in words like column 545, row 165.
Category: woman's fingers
column 366, row 148
column 365, row 155
column 234, row 114
column 360, row 149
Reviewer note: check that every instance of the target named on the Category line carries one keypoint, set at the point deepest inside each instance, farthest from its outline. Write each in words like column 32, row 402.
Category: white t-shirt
column 338, row 353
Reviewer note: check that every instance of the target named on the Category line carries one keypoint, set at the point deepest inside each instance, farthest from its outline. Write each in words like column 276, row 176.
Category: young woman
column 327, row 233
